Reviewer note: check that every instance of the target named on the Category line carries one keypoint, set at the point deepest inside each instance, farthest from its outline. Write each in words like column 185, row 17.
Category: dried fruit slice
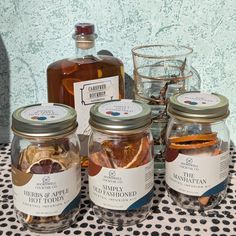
column 126, row 154
column 46, row 166
column 204, row 200
column 216, row 151
column 193, row 141
column 194, row 137
column 101, row 159
column 68, row 84
column 140, row 155
column 193, row 145
column 35, row 153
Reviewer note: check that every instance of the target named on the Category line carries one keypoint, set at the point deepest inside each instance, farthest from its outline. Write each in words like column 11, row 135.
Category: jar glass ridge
column 161, row 71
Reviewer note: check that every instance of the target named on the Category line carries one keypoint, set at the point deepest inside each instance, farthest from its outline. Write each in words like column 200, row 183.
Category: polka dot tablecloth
column 166, row 218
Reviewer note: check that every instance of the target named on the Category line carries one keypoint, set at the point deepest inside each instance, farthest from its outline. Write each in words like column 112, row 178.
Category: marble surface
column 36, row 33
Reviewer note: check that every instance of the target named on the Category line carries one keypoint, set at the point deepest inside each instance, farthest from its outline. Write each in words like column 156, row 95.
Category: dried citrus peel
column 194, row 137
column 100, row 158
column 193, row 141
column 204, row 200
column 193, row 145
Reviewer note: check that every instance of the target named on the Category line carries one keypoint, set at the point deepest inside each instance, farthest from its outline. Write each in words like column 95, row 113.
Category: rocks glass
column 159, row 72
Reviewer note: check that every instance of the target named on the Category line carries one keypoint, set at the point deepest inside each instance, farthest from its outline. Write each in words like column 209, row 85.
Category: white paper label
column 123, row 108
column 88, row 93
column 199, row 99
column 198, row 175
column 44, row 112
column 48, row 195
column 122, row 189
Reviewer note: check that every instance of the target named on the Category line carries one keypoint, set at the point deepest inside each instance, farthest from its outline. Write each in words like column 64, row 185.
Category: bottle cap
column 84, row 28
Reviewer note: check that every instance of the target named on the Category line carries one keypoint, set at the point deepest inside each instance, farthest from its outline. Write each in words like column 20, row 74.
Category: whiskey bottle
column 84, row 80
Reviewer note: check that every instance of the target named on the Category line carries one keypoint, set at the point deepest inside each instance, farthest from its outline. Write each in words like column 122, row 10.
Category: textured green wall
column 35, row 33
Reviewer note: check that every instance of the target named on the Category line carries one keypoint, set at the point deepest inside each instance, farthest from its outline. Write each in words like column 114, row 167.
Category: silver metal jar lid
column 44, row 120
column 198, row 107
column 120, row 115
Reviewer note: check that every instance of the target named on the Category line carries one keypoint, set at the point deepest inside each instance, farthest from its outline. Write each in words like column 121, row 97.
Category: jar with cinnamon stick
column 121, row 168
column 197, row 152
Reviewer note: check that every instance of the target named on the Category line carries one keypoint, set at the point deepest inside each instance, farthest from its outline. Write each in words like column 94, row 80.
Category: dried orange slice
column 84, row 162
column 193, row 141
column 68, row 84
column 194, row 137
column 216, row 152
column 193, row 145
column 46, row 166
column 203, row 200
column 101, row 159
column 126, row 154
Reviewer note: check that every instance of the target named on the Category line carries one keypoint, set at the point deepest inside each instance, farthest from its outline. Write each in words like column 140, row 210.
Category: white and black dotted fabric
column 166, row 218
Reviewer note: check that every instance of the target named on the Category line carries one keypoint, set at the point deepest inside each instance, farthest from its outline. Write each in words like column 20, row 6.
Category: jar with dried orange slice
column 45, row 167
column 197, row 152
column 121, row 168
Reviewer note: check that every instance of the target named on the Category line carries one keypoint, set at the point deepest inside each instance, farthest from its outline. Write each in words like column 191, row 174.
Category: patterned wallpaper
column 36, row 33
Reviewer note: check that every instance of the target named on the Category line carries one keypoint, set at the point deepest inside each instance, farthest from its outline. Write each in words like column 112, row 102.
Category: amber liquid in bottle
column 63, row 74
column 75, row 82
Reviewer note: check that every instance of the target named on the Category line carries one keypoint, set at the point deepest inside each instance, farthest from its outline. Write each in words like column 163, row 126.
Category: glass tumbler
column 161, row 71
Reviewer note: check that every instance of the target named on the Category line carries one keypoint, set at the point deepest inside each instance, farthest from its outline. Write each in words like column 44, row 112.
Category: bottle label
column 87, row 93
column 201, row 175
column 46, row 194
column 122, row 189
column 123, row 108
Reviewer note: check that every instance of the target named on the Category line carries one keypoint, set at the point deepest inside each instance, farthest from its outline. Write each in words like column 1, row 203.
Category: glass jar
column 121, row 170
column 197, row 152
column 46, row 172
column 161, row 71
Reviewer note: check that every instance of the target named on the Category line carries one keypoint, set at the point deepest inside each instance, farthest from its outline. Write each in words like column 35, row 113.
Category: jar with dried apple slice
column 45, row 167
column 197, row 152
column 121, row 165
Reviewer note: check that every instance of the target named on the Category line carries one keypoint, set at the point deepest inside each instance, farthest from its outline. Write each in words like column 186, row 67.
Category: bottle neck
column 85, row 45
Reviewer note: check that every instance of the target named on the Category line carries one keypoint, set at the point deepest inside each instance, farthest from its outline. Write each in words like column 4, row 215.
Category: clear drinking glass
column 159, row 72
